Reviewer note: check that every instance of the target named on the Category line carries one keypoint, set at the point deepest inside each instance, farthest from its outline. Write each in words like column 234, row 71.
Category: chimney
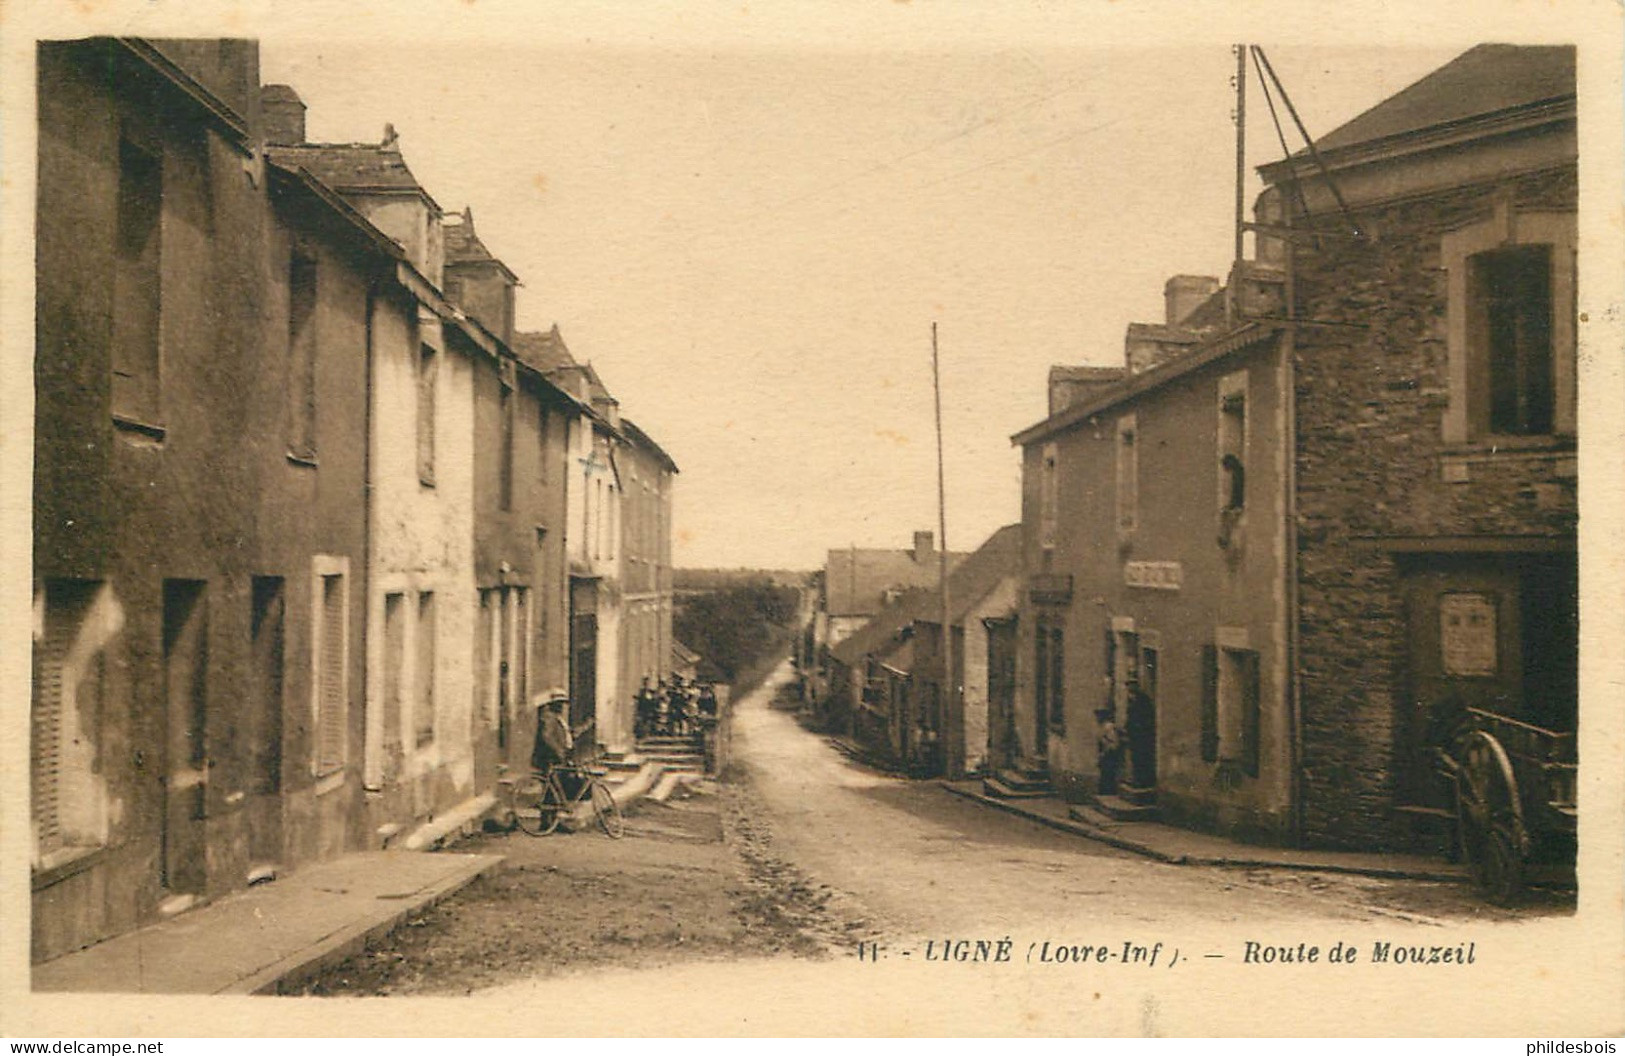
column 925, row 546
column 284, row 115
column 1183, row 294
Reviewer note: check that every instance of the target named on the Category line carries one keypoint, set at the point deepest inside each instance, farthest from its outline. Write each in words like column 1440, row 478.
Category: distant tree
column 736, row 626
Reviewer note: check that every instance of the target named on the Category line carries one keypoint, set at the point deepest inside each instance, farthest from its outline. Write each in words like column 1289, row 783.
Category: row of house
column 312, row 521
column 1320, row 508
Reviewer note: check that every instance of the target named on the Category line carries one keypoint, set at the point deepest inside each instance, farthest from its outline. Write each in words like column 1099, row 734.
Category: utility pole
column 1241, row 146
column 949, row 684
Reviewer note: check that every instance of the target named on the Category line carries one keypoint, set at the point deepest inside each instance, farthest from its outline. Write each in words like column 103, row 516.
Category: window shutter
column 1042, row 672
column 330, row 734
column 47, row 747
column 1057, row 680
column 1110, row 681
column 1249, row 713
column 1210, row 703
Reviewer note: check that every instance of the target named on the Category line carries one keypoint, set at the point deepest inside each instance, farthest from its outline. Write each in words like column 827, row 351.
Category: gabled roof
column 464, row 246
column 355, row 168
column 968, row 583
column 1485, row 80
column 545, row 352
column 978, row 575
column 882, row 633
column 645, row 441
column 856, row 580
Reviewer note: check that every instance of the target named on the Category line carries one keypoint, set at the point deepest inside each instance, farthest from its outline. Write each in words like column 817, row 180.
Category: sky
column 750, row 237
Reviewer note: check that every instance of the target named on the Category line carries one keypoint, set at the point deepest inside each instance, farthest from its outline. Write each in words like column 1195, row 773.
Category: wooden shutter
column 423, row 713
column 1249, row 712
column 1057, row 680
column 330, row 673
column 1041, row 695
column 1110, row 681
column 47, row 728
column 1210, row 703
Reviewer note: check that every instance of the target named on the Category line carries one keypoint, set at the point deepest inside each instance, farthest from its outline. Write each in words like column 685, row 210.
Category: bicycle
column 540, row 808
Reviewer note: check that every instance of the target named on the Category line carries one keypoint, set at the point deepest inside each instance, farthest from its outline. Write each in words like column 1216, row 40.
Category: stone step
column 995, row 787
column 1024, row 780
column 1140, row 797
column 1119, row 809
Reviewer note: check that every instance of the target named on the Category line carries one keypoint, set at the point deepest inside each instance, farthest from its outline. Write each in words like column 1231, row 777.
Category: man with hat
column 555, row 739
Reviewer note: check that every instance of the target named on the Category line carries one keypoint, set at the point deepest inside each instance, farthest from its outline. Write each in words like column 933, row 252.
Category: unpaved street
column 804, row 853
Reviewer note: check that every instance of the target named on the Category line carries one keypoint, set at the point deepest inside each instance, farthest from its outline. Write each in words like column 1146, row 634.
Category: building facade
column 1386, row 423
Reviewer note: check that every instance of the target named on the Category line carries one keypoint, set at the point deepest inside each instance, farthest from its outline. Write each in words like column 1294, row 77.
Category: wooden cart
column 1515, row 810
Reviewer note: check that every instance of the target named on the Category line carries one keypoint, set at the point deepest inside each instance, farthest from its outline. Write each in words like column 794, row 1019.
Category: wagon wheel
column 1489, row 815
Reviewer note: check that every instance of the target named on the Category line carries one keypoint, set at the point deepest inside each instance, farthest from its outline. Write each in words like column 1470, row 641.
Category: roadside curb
column 1090, row 832
column 297, row 968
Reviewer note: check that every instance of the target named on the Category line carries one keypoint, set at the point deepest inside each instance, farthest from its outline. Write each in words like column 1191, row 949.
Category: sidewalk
column 257, row 940
column 1177, row 846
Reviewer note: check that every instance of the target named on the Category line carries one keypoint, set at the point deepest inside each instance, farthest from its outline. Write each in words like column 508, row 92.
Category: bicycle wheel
column 541, row 816
column 608, row 811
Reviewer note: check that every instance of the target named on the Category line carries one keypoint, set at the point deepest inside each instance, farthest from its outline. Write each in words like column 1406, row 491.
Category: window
column 74, row 623
column 1512, row 317
column 302, row 356
column 1511, row 326
column 1050, row 671
column 428, row 372
column 1231, row 703
column 544, row 424
column 1128, row 474
column 424, row 671
column 1047, row 498
column 329, row 655
column 1233, row 442
column 268, row 644
column 137, row 285
column 386, row 764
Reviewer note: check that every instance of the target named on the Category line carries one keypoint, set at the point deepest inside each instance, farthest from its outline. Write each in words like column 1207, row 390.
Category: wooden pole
column 949, row 683
column 1241, row 146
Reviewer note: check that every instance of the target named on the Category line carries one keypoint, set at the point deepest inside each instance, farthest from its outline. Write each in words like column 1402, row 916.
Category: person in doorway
column 1108, row 751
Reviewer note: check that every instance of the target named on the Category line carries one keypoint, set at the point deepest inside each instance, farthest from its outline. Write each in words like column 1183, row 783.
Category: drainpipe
column 1289, row 395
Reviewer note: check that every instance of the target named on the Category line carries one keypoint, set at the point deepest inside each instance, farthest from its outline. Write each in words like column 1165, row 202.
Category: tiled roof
column 544, row 352
column 1063, row 372
column 463, row 243
column 644, row 440
column 1487, row 79
column 969, row 582
column 856, row 580
column 978, row 574
column 880, row 635
column 352, row 168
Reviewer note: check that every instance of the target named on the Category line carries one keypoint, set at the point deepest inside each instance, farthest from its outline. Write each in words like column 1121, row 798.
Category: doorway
column 182, row 864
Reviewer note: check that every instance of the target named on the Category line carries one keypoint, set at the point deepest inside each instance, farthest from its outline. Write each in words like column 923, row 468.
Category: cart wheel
column 1490, row 818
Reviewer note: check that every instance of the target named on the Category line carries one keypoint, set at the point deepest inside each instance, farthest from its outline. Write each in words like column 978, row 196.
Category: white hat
column 556, row 695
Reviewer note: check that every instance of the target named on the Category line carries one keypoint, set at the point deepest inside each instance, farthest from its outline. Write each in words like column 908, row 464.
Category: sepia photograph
column 851, row 519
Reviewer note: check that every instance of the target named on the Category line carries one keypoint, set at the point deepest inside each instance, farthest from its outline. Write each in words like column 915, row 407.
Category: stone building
column 420, row 603
column 1385, row 425
column 200, row 492
column 647, row 475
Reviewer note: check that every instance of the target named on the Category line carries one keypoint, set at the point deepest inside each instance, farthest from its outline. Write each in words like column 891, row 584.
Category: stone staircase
column 682, row 755
column 1128, row 804
column 1027, row 780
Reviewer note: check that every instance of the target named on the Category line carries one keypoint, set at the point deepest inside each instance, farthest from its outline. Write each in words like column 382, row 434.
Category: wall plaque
column 1155, row 575
column 1467, row 634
